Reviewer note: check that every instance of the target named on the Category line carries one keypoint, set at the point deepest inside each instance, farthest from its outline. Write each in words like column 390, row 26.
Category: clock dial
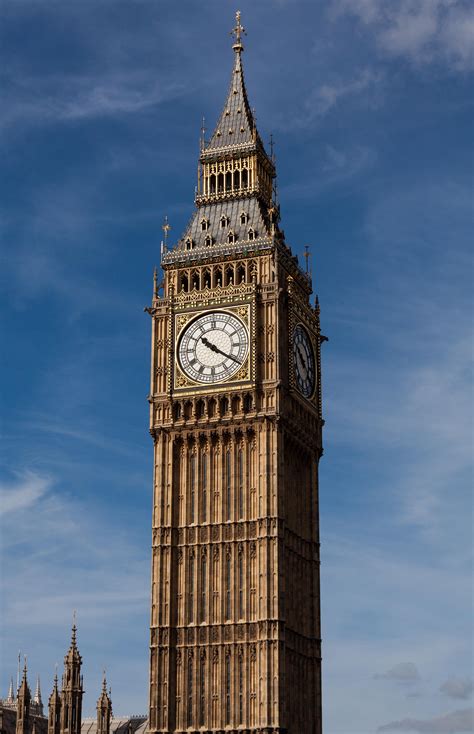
column 213, row 347
column 303, row 361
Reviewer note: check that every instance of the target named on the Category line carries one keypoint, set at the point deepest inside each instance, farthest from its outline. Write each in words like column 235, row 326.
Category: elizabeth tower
column 235, row 415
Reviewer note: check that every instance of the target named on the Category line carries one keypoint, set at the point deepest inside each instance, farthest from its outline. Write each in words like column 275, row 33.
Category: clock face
column 303, row 360
column 213, row 347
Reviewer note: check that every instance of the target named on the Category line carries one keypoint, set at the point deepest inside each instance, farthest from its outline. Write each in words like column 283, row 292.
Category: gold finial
column 166, row 228
column 237, row 33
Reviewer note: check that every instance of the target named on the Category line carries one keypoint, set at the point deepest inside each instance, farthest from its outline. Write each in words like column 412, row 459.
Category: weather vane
column 307, row 256
column 238, row 31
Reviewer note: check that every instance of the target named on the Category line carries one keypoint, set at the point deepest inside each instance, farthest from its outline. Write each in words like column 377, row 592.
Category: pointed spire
column 37, row 697
column 236, row 125
column 11, row 695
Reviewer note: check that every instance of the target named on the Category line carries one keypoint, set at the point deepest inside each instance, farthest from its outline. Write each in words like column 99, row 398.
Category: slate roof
column 232, row 210
column 236, row 124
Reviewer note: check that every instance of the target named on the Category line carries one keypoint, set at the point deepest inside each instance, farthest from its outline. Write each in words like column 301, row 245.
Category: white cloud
column 457, row 688
column 452, row 723
column 423, row 31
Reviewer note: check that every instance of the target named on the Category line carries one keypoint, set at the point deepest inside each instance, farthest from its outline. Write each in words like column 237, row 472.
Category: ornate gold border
column 245, row 311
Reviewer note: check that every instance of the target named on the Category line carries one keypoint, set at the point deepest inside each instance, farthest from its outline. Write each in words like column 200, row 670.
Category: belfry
column 236, row 421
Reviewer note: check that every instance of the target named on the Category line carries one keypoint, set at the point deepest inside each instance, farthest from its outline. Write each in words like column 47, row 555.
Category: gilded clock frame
column 224, row 300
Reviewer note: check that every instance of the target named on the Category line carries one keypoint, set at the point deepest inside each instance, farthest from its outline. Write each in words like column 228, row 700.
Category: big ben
column 236, row 421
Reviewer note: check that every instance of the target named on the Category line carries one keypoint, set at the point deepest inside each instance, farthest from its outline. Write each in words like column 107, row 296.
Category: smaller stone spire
column 54, row 708
column 104, row 709
column 11, row 695
column 37, row 698
column 23, row 704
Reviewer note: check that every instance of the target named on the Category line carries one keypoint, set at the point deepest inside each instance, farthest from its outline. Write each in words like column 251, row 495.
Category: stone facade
column 235, row 614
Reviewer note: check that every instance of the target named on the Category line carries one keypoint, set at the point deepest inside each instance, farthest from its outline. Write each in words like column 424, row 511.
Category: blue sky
column 370, row 105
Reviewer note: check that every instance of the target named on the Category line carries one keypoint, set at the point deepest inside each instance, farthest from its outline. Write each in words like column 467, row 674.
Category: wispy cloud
column 402, row 673
column 457, row 688
column 452, row 723
column 422, row 31
column 24, row 493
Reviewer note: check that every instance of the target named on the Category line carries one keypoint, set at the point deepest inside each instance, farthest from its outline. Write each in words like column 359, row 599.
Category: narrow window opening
column 227, row 587
column 190, row 691
column 191, row 591
column 241, row 482
column 202, row 693
column 241, row 586
column 204, row 487
column 203, row 589
column 228, row 484
column 192, row 482
column 227, row 690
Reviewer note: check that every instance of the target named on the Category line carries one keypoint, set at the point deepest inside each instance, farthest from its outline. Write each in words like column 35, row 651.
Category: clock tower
column 235, row 416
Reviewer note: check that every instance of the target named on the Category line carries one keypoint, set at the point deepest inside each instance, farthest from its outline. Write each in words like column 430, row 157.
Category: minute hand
column 213, row 347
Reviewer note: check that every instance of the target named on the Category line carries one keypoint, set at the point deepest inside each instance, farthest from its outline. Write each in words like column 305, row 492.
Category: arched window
column 211, row 408
column 231, row 238
column 212, row 182
column 244, row 218
column 218, row 277
column 195, row 280
column 229, row 275
column 241, row 273
column 247, row 403
column 220, row 183
column 200, row 408
column 208, row 241
column 228, row 181
column 204, row 225
column 244, row 178
column 251, row 234
column 184, row 283
column 224, row 221
column 189, row 243
column 177, row 411
column 236, row 179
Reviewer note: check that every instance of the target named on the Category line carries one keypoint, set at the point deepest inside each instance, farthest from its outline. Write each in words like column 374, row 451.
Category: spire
column 236, row 125
column 23, row 704
column 104, row 709
column 54, row 707
column 11, row 695
column 37, row 698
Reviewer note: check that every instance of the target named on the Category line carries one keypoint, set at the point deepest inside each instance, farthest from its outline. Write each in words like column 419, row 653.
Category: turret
column 72, row 690
column 104, row 710
column 23, row 705
column 54, row 709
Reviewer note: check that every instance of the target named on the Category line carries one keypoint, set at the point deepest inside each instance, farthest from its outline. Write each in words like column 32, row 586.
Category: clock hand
column 301, row 356
column 213, row 347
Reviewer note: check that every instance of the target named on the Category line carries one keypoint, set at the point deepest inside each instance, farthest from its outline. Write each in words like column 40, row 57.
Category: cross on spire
column 237, row 33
